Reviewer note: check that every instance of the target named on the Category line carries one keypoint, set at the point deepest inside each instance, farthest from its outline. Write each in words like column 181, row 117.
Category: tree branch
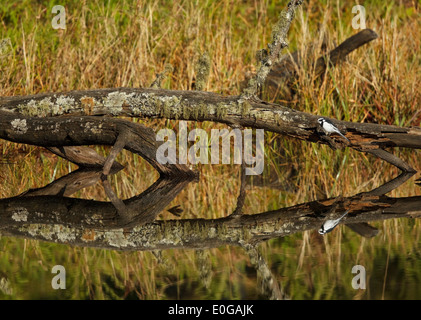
column 84, row 157
column 279, row 82
column 340, row 52
column 161, row 76
column 268, row 57
column 202, row 71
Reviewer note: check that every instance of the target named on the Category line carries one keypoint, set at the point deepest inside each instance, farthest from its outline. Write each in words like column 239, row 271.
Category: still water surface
column 177, row 238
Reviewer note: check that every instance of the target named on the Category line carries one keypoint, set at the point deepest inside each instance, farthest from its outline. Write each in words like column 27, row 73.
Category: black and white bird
column 328, row 127
column 329, row 225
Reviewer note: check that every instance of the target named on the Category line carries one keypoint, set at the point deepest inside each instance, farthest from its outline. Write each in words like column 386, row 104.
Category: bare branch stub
column 268, row 57
column 392, row 159
column 281, row 82
column 202, row 71
column 161, row 76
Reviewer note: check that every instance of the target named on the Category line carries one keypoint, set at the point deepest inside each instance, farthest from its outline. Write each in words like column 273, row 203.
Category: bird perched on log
column 328, row 127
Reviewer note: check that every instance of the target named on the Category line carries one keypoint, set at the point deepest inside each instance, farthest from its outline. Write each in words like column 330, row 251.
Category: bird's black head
column 321, row 121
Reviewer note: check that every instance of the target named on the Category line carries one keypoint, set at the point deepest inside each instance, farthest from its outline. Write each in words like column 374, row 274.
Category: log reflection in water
column 50, row 206
column 99, row 224
column 131, row 224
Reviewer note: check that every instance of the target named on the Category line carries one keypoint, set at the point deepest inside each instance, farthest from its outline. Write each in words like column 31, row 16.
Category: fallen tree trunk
column 21, row 116
column 194, row 106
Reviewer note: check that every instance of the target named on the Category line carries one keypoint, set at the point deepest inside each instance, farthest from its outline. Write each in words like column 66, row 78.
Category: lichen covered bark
column 197, row 106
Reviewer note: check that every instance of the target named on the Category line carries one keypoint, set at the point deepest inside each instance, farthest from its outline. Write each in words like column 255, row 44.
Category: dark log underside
column 53, row 132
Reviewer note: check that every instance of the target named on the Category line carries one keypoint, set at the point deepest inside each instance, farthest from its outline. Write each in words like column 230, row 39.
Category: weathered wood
column 181, row 105
column 363, row 229
column 195, row 106
column 267, row 279
column 84, row 157
column 390, row 185
column 76, row 131
column 387, row 156
column 69, row 184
